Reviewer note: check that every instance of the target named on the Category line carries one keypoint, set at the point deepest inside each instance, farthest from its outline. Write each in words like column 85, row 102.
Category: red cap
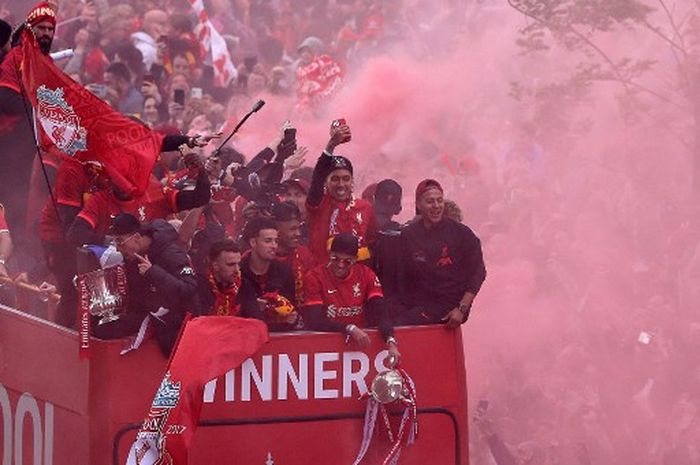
column 425, row 185
column 40, row 13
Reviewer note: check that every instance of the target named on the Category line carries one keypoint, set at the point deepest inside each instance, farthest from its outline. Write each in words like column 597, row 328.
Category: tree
column 581, row 27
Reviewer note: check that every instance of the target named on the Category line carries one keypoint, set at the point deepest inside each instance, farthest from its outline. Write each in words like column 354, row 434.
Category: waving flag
column 209, row 346
column 81, row 125
column 214, row 46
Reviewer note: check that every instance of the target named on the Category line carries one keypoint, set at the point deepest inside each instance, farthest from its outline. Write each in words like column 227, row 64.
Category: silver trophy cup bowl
column 105, row 300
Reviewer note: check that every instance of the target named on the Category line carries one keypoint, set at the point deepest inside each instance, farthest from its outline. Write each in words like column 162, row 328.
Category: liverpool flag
column 209, row 346
column 81, row 125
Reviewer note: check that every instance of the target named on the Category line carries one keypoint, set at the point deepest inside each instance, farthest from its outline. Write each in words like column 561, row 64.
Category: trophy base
column 107, row 319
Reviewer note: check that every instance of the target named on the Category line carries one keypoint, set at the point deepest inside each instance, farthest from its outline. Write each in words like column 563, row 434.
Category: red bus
column 296, row 402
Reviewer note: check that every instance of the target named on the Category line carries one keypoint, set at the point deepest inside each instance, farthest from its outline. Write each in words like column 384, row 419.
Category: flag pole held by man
column 81, row 125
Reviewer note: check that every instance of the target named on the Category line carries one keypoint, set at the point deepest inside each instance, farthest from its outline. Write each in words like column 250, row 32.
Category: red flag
column 81, row 125
column 209, row 346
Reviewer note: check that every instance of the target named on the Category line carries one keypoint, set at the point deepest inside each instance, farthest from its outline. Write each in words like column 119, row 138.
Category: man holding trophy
column 159, row 277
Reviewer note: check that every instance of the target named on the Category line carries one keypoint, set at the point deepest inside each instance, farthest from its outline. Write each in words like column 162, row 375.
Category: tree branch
column 581, row 36
column 670, row 41
column 673, row 25
column 626, row 83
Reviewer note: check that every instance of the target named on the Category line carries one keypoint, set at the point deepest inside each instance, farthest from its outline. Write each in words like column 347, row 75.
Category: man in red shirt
column 93, row 220
column 345, row 296
column 289, row 249
column 318, row 75
column 331, row 205
column 16, row 133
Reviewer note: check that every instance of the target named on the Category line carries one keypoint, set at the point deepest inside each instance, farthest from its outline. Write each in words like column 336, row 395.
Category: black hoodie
column 169, row 283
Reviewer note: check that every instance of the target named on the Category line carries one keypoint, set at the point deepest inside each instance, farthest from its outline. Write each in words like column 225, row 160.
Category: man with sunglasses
column 160, row 280
column 346, row 296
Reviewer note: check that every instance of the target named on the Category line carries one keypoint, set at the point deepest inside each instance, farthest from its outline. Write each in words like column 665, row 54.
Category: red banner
column 81, row 125
column 209, row 346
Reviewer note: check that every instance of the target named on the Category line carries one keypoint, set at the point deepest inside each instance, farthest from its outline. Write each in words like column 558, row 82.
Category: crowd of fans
column 614, row 337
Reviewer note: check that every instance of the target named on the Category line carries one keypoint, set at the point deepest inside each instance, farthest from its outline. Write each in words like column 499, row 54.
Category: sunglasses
column 344, row 261
column 119, row 242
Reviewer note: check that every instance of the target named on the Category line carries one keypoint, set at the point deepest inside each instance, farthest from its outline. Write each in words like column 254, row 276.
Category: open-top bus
column 296, row 402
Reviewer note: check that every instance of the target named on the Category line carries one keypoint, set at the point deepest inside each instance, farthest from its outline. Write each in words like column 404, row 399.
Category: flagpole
column 32, row 125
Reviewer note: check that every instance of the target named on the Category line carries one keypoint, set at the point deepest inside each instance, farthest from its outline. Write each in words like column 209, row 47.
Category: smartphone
column 196, row 92
column 179, row 96
column 338, row 122
column 149, row 78
column 290, row 134
column 99, row 90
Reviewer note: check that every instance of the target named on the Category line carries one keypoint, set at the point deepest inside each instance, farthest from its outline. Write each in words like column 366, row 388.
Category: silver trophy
column 107, row 299
column 388, row 386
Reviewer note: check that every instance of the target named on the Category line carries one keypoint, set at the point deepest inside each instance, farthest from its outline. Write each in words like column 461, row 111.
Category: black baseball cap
column 5, row 32
column 387, row 195
column 124, row 223
column 346, row 243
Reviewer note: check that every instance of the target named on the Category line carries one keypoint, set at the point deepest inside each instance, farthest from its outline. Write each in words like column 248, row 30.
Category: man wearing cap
column 16, row 134
column 331, row 205
column 160, row 280
column 386, row 260
column 441, row 262
column 345, row 296
column 318, row 76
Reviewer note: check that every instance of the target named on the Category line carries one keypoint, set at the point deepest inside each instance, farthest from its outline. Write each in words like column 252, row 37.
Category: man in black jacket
column 267, row 285
column 441, row 263
column 160, row 281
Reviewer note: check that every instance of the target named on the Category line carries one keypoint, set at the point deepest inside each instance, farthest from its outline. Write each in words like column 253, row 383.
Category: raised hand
column 144, row 264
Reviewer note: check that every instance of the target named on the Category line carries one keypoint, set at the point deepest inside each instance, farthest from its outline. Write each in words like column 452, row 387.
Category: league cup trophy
column 390, row 388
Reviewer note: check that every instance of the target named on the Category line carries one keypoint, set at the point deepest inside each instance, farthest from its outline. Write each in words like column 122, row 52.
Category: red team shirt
column 332, row 217
column 300, row 261
column 344, row 298
column 72, row 189
column 102, row 206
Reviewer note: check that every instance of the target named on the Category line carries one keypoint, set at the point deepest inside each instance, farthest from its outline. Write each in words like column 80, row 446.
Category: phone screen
column 289, row 135
column 179, row 96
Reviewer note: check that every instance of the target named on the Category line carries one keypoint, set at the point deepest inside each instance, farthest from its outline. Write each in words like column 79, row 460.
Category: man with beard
column 16, row 134
column 441, row 262
column 217, row 289
column 331, row 205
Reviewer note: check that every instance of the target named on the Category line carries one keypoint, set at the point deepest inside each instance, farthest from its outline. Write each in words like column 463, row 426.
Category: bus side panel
column 329, row 441
column 43, row 393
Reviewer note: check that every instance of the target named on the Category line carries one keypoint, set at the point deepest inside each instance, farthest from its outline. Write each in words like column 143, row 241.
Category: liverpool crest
column 60, row 122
